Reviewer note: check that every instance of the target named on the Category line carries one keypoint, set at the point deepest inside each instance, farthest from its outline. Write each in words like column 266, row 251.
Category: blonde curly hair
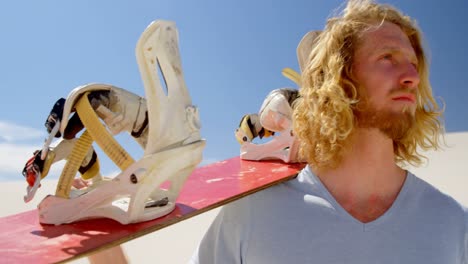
column 324, row 116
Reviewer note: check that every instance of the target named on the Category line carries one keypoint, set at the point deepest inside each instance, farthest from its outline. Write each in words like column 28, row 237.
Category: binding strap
column 74, row 161
column 292, row 75
column 97, row 132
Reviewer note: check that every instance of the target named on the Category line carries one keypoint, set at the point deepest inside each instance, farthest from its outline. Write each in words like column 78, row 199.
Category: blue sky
column 232, row 55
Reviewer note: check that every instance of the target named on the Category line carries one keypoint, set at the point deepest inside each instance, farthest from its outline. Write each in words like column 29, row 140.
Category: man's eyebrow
column 394, row 49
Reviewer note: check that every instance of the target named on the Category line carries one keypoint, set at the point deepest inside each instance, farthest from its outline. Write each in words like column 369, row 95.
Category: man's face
column 385, row 69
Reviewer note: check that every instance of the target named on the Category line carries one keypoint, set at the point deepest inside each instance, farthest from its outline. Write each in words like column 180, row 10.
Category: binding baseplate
column 147, row 188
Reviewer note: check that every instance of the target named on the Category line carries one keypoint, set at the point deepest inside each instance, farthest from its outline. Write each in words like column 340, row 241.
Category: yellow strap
column 246, row 130
column 92, row 171
column 74, row 161
column 292, row 75
column 99, row 133
column 95, row 130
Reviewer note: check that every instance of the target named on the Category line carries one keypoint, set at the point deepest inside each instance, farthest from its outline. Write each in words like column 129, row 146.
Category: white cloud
column 10, row 132
column 13, row 157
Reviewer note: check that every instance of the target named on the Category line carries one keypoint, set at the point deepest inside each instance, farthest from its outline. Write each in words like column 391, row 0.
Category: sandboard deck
column 24, row 240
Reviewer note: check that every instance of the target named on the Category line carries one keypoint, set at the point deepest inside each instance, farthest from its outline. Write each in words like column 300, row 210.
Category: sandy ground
column 175, row 244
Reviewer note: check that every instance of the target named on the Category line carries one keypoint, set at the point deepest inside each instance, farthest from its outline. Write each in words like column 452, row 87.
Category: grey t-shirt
column 300, row 222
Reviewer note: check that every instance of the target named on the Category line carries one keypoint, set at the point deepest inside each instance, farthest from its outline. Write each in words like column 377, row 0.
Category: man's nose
column 410, row 76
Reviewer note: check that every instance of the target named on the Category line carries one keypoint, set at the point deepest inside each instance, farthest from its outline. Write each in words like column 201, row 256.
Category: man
column 366, row 106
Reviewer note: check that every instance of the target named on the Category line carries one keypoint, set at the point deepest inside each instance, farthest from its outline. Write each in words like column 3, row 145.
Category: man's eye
column 387, row 57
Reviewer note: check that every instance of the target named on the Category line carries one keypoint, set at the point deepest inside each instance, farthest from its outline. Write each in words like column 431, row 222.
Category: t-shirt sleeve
column 226, row 239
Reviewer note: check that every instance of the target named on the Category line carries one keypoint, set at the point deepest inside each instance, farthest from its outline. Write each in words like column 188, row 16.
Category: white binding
column 173, row 150
column 276, row 115
column 45, row 147
column 74, row 95
column 31, row 190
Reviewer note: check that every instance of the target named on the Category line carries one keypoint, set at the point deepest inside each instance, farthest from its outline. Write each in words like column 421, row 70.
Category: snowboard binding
column 165, row 124
column 275, row 117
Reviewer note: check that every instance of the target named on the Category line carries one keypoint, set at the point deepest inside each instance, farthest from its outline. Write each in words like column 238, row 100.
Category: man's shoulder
column 440, row 200
column 271, row 195
column 267, row 201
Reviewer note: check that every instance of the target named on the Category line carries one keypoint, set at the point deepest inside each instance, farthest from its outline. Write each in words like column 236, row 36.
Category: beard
column 394, row 125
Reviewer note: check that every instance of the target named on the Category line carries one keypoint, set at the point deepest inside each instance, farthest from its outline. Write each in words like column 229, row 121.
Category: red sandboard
column 24, row 240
